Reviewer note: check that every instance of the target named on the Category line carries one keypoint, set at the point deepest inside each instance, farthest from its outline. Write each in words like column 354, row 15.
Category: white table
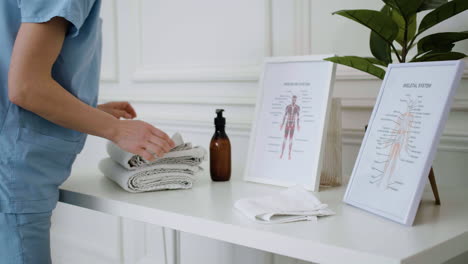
column 351, row 236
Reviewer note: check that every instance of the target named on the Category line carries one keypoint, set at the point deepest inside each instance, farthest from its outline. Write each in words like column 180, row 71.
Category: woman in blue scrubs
column 50, row 57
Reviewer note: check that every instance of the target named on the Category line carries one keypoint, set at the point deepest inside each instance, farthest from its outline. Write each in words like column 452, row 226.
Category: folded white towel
column 290, row 205
column 153, row 178
column 183, row 153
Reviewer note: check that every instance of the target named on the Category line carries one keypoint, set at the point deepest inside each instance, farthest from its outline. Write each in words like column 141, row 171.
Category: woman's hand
column 141, row 138
column 118, row 109
column 134, row 136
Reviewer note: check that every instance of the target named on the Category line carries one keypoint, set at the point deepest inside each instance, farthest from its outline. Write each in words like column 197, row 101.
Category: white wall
column 179, row 60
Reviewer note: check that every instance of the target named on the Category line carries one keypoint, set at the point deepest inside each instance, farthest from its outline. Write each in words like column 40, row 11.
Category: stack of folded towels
column 177, row 169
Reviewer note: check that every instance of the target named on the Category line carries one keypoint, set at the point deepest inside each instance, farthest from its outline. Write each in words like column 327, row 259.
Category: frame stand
column 434, row 186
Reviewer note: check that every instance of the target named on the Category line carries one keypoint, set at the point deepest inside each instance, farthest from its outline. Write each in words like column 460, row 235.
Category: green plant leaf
column 376, row 61
column 379, row 23
column 378, row 46
column 440, row 56
column 401, row 22
column 442, row 13
column 407, row 8
column 398, row 50
column 419, row 55
column 440, row 42
column 362, row 64
column 431, row 4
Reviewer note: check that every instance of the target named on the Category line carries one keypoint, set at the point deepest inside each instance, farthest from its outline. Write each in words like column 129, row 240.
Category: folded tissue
column 290, row 205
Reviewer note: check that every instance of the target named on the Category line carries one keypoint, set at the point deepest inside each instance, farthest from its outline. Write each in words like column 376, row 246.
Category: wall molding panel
column 452, row 140
column 199, row 72
column 268, row 41
column 355, row 103
column 302, row 27
column 196, row 74
column 106, row 96
column 455, row 141
column 110, row 62
column 236, row 129
column 344, row 73
column 245, row 73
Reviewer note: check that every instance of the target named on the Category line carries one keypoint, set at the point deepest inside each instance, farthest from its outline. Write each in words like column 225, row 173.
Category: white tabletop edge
column 304, row 250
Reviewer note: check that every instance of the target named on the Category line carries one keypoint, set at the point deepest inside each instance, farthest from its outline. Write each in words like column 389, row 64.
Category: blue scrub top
column 35, row 154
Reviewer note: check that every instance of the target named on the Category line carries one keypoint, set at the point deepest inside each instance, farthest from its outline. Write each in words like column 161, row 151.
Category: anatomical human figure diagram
column 396, row 142
column 290, row 119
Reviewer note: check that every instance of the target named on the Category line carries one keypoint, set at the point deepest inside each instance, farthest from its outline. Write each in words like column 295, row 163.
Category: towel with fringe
column 175, row 170
column 152, row 178
column 183, row 153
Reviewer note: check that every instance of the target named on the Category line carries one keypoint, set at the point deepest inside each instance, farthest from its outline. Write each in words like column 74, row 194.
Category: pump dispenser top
column 219, row 121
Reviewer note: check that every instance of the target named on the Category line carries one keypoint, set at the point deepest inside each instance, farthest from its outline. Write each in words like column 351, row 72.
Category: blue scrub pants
column 24, row 238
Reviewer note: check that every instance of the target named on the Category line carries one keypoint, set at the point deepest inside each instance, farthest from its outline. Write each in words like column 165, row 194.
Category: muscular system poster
column 291, row 122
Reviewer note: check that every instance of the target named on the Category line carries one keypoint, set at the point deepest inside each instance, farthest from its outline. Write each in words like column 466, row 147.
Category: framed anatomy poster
column 401, row 140
column 290, row 123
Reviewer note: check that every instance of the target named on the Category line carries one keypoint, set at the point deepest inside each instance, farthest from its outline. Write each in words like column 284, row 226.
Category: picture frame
column 401, row 140
column 289, row 129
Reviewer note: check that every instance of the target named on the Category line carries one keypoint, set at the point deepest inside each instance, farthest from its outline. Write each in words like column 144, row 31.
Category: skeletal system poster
column 403, row 133
column 290, row 122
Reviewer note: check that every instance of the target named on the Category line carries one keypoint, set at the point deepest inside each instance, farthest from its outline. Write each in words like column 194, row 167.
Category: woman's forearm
column 51, row 101
column 32, row 87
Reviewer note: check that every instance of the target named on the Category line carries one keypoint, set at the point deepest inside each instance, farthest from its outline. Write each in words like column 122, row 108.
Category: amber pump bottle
column 220, row 150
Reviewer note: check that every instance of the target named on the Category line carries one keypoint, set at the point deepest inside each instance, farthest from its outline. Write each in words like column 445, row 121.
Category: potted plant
column 394, row 30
